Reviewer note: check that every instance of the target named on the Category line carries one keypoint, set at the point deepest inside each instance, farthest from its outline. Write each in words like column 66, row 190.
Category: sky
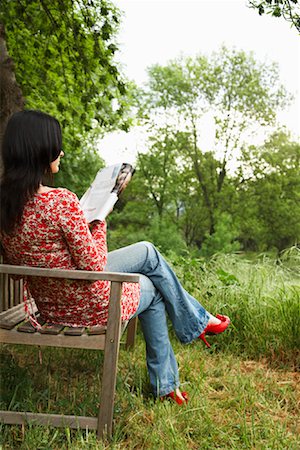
column 155, row 31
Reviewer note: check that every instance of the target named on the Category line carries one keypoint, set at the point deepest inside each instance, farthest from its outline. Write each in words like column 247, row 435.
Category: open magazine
column 104, row 192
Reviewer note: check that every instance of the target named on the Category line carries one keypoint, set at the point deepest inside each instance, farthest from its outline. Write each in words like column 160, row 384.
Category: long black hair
column 32, row 140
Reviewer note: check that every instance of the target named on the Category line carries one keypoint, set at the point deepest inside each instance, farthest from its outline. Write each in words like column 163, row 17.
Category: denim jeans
column 161, row 293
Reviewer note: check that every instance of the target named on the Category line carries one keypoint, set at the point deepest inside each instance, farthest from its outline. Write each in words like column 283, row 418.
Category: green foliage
column 270, row 196
column 64, row 58
column 78, row 169
column 257, row 209
column 159, row 171
column 226, row 278
column 288, row 9
column 215, row 210
column 126, row 227
column 240, row 90
column 183, row 84
column 223, row 240
column 165, row 235
column 189, row 186
column 131, row 217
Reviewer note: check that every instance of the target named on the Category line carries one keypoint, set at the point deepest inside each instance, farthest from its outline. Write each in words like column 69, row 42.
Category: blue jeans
column 161, row 293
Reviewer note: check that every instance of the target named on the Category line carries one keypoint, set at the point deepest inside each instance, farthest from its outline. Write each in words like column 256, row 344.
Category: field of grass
column 244, row 391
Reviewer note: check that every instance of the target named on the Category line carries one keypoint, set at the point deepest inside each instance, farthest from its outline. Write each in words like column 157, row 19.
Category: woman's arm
column 88, row 248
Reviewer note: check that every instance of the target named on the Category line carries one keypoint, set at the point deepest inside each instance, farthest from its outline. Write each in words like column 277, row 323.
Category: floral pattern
column 54, row 233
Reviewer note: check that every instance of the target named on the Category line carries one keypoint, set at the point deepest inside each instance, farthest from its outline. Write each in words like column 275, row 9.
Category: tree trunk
column 11, row 98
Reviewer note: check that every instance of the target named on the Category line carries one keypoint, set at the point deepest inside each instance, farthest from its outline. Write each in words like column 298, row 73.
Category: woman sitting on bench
column 43, row 226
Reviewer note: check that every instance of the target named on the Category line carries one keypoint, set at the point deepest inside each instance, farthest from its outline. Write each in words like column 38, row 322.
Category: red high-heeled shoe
column 176, row 399
column 215, row 328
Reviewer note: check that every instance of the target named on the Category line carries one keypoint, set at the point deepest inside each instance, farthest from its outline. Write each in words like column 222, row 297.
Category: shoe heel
column 203, row 338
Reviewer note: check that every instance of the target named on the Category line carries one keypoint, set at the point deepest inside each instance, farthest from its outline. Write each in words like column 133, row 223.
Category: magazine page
column 123, row 178
column 99, row 198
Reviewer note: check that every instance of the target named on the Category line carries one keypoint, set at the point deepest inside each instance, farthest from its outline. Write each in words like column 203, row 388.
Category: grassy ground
column 244, row 392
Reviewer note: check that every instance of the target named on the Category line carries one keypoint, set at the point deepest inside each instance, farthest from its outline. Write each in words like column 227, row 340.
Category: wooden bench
column 14, row 330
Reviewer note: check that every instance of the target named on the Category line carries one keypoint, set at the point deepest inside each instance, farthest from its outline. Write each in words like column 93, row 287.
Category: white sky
column 155, row 31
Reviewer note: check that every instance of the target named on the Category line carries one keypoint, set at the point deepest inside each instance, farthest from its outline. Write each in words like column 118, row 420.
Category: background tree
column 270, row 194
column 159, row 169
column 288, row 9
column 241, row 93
column 64, row 57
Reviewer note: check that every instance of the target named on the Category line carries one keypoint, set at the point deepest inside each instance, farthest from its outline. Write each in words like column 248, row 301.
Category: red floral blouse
column 54, row 233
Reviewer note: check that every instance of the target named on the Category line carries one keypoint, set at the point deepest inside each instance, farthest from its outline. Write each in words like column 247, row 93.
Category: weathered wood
column 74, row 331
column 69, row 274
column 18, row 292
column 12, row 311
column 51, row 328
column 6, row 293
column 2, row 291
column 97, row 329
column 26, row 327
column 21, row 284
column 111, row 354
column 9, row 325
column 12, row 316
column 11, row 292
column 48, row 340
column 1, row 283
column 55, row 420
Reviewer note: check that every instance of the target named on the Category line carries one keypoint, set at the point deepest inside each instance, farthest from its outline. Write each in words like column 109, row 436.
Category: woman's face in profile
column 54, row 166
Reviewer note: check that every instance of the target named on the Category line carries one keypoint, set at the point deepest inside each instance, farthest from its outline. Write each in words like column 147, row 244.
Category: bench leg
column 111, row 354
column 131, row 332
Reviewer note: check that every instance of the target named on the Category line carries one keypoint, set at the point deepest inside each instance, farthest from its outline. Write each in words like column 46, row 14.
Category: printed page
column 99, row 198
column 125, row 174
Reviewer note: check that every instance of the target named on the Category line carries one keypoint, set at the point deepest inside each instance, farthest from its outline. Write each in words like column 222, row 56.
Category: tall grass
column 238, row 400
column 261, row 296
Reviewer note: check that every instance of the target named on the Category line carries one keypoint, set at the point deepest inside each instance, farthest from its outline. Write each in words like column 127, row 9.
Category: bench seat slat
column 51, row 328
column 74, row 331
column 26, row 327
column 97, row 329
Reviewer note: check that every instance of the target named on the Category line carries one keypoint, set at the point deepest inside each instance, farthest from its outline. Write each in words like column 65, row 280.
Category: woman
column 45, row 227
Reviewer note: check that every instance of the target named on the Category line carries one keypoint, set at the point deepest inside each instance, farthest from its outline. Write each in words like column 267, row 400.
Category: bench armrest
column 69, row 274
